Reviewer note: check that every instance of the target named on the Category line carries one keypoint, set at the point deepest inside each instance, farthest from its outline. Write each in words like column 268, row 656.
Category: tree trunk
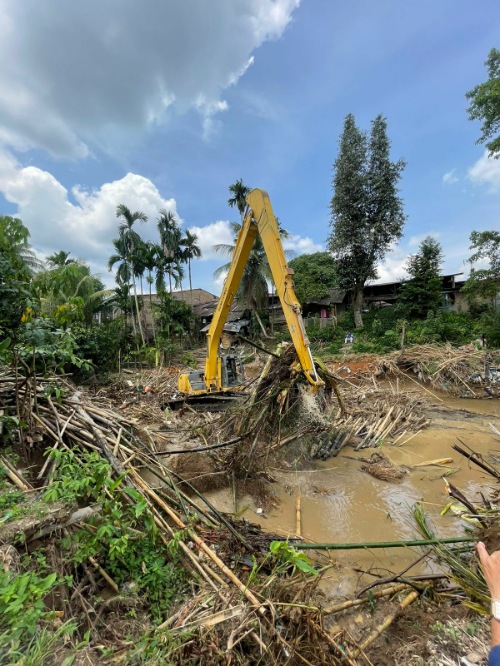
column 260, row 324
column 190, row 283
column 170, row 280
column 138, row 313
column 358, row 306
column 134, row 329
column 151, row 309
column 143, row 313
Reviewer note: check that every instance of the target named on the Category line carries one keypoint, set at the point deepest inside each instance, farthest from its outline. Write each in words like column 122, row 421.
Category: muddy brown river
column 341, row 503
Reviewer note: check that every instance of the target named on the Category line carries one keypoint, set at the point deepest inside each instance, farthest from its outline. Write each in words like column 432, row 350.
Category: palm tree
column 132, row 241
column 60, row 258
column 191, row 251
column 170, row 238
column 124, row 271
column 70, row 292
column 239, row 193
column 151, row 252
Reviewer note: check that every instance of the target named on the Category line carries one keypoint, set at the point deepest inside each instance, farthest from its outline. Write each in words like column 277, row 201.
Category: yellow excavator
column 224, row 372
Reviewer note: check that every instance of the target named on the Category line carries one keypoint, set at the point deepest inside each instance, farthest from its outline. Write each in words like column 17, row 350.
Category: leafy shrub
column 102, row 343
column 22, row 606
column 125, row 537
column 47, row 348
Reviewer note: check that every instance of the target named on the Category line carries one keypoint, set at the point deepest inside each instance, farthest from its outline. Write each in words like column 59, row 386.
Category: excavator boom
column 259, row 219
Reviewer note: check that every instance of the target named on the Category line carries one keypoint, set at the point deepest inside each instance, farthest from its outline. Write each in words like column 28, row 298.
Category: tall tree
column 191, row 251
column 238, row 197
column 485, row 105
column 170, row 239
column 150, row 260
column 17, row 266
column 131, row 241
column 422, row 293
column 60, row 258
column 484, row 282
column 366, row 211
column 124, row 271
column 314, row 275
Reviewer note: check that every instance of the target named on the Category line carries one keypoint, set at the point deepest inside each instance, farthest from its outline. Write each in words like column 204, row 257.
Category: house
column 238, row 319
column 385, row 294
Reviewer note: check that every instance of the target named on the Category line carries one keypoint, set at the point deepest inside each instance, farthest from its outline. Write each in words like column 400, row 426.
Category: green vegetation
column 485, row 105
column 421, row 294
column 366, row 212
column 382, row 331
column 484, row 282
column 314, row 275
column 122, row 536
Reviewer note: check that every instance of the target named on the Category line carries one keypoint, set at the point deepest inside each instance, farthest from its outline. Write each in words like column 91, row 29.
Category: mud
column 341, row 503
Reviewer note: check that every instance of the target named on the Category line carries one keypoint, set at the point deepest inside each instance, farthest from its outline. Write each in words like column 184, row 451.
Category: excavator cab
column 231, row 373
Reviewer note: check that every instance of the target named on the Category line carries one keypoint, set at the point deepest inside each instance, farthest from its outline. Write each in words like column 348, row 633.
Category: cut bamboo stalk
column 298, row 529
column 410, row 438
column 387, row 622
column 14, row 476
column 104, row 574
column 117, row 443
column 423, row 387
column 351, row 603
column 208, row 551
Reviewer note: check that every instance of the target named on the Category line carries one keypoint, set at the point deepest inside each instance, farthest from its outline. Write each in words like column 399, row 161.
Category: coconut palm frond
column 224, row 248
column 222, row 270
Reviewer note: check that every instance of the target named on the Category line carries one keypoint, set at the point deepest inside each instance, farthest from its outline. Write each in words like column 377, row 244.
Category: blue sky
column 162, row 104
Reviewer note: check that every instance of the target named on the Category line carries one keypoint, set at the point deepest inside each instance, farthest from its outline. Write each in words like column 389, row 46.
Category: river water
column 341, row 503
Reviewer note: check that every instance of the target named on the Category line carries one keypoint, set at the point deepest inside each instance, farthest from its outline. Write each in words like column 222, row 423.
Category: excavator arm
column 259, row 219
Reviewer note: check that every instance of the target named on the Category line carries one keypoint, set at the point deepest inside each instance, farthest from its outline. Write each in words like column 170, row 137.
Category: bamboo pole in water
column 380, row 544
column 298, row 528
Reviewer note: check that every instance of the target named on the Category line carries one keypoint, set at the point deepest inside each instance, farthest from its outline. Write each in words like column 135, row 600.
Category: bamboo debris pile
column 465, row 371
column 241, row 610
column 374, row 414
column 230, row 618
column 280, row 409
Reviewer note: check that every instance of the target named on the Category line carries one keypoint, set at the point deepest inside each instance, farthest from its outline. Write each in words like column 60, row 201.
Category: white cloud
column 393, row 266
column 415, row 241
column 486, row 171
column 86, row 227
column 217, row 233
column 450, row 177
column 301, row 245
column 79, row 75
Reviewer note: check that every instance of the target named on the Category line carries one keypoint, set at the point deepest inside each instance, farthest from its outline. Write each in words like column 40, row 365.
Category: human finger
column 482, row 552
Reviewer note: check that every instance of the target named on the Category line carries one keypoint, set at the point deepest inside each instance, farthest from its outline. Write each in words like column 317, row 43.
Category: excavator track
column 212, row 402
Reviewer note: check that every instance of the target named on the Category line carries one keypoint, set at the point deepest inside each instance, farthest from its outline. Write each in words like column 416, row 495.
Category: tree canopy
column 484, row 282
column 367, row 213
column 314, row 275
column 422, row 293
column 485, row 105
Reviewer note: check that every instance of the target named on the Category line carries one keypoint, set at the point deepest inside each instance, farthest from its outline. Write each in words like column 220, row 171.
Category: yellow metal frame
column 259, row 219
